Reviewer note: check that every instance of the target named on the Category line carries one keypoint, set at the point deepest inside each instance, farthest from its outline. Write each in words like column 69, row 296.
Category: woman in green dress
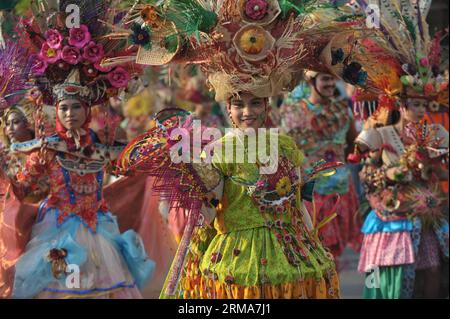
column 263, row 244
column 256, row 240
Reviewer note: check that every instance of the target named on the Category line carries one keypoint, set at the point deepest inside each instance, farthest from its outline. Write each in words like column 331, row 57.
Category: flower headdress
column 408, row 59
column 58, row 49
column 246, row 45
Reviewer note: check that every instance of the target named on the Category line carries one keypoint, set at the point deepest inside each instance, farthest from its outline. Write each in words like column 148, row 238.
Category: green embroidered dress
column 260, row 246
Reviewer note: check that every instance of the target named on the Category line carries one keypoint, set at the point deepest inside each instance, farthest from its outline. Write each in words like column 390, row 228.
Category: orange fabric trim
column 204, row 288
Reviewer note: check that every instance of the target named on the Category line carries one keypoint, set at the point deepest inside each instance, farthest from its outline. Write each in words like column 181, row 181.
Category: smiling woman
column 248, row 111
column 263, row 243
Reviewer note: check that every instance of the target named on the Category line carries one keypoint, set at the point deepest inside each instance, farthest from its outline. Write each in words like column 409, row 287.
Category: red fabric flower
column 49, row 54
column 93, row 52
column 119, row 77
column 424, row 62
column 428, row 88
column 54, row 39
column 79, row 37
column 71, row 55
column 256, row 9
column 103, row 69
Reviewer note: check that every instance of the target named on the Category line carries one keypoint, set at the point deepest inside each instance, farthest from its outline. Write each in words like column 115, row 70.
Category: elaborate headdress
column 71, row 88
column 72, row 58
column 246, row 45
column 408, row 60
column 13, row 75
column 259, row 46
column 13, row 84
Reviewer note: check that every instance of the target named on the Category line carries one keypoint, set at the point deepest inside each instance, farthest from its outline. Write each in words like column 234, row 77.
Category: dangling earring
column 231, row 120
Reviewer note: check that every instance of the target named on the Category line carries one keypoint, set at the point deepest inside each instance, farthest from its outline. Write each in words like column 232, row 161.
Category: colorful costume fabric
column 321, row 132
column 260, row 250
column 74, row 227
column 16, row 216
column 406, row 230
column 249, row 47
column 137, row 208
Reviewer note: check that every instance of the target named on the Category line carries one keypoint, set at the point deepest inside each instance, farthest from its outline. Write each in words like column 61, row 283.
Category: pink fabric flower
column 424, row 62
column 71, row 55
column 54, row 39
column 256, row 9
column 49, row 54
column 79, row 37
column 119, row 77
column 93, row 52
column 354, row 158
column 260, row 184
column 38, row 65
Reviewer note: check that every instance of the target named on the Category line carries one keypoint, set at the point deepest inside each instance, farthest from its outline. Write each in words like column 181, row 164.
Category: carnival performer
column 73, row 225
column 324, row 129
column 15, row 218
column 16, row 125
column 406, row 233
column 74, row 232
column 272, row 249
